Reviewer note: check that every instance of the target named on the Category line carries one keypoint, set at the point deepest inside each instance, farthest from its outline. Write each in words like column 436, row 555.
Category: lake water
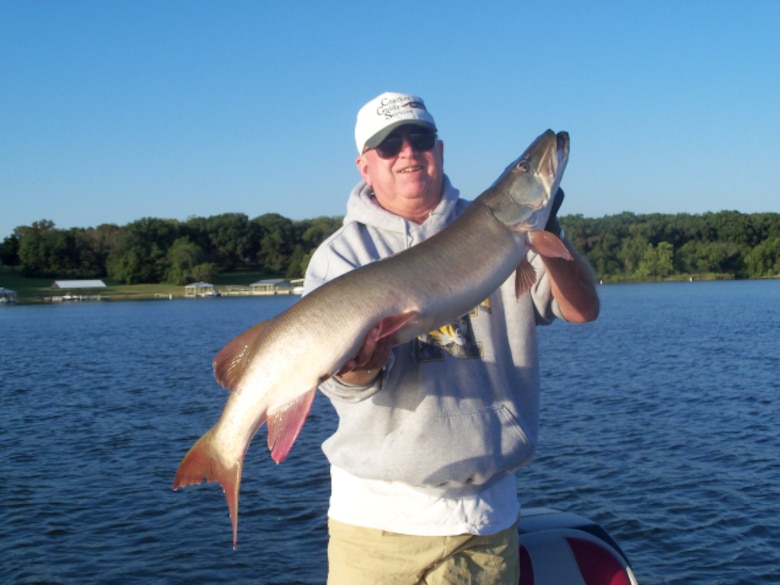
column 660, row 421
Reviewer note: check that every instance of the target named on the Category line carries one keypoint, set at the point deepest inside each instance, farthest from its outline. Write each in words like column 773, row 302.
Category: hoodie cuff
column 336, row 389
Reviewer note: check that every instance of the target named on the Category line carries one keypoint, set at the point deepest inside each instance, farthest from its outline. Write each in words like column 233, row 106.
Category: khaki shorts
column 365, row 556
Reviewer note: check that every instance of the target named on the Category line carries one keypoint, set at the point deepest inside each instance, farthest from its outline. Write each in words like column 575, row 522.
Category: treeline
column 726, row 244
column 621, row 248
column 161, row 250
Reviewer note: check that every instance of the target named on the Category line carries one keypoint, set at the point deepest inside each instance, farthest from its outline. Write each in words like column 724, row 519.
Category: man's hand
column 572, row 281
column 552, row 224
column 369, row 361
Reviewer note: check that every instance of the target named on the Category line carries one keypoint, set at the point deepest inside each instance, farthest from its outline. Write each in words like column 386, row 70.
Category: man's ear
column 362, row 165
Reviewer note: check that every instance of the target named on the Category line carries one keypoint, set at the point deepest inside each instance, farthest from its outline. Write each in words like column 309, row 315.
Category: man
column 430, row 432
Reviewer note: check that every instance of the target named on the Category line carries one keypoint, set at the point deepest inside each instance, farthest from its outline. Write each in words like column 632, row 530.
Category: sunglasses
column 420, row 141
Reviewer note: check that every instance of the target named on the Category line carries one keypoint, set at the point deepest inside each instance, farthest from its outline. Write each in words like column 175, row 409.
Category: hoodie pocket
column 456, row 449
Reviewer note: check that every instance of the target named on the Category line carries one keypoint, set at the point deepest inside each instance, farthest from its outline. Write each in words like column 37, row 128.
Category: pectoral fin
column 545, row 244
column 390, row 325
column 525, row 277
column 548, row 245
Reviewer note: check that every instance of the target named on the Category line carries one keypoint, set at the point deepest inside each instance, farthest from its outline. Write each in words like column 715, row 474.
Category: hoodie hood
column 362, row 207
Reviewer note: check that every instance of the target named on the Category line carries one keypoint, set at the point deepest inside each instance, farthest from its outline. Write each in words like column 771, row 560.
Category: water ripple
column 659, row 421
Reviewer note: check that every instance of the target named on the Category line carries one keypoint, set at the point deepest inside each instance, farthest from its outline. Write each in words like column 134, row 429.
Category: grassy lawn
column 36, row 290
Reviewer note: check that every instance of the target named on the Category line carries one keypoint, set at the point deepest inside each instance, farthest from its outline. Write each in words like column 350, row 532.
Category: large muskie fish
column 274, row 368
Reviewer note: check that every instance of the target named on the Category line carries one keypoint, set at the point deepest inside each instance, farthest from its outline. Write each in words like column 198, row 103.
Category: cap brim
column 379, row 137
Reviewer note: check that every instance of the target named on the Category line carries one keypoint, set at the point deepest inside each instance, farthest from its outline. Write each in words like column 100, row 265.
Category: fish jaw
column 553, row 160
column 205, row 461
column 547, row 157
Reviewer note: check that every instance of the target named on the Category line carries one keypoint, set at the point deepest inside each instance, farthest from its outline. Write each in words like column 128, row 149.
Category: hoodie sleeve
column 545, row 305
column 333, row 258
column 336, row 256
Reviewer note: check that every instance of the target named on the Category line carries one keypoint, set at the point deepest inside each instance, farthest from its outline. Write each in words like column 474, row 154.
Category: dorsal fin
column 230, row 363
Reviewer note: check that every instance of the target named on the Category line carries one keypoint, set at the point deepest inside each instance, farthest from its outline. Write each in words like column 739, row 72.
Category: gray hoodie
column 452, row 410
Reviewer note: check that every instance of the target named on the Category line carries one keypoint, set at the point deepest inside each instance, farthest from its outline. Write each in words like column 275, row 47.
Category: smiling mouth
column 411, row 169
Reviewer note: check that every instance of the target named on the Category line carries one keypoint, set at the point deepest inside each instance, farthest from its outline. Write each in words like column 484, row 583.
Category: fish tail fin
column 285, row 424
column 201, row 462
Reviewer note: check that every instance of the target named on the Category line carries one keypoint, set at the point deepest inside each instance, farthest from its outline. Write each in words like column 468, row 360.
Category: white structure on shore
column 269, row 287
column 7, row 296
column 200, row 289
column 273, row 286
column 78, row 284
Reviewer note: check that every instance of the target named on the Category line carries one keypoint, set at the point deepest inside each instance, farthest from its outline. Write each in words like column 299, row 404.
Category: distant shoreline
column 31, row 291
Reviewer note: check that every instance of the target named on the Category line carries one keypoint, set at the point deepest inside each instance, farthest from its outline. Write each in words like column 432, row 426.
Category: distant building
column 274, row 286
column 200, row 289
column 78, row 284
column 297, row 286
column 237, row 290
column 7, row 296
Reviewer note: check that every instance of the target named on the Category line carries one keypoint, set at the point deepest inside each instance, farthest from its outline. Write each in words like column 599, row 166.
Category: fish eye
column 523, row 166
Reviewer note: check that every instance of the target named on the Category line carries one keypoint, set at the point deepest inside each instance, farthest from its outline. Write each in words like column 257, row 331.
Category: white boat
column 561, row 548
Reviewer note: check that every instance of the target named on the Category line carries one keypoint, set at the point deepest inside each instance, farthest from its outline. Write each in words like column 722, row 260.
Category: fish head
column 521, row 196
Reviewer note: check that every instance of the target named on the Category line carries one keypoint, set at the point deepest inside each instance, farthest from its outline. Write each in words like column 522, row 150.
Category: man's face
column 409, row 183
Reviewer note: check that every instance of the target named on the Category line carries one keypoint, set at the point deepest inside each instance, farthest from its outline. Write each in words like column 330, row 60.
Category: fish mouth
column 553, row 159
column 562, row 150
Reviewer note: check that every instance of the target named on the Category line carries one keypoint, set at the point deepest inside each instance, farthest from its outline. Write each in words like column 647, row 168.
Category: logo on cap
column 390, row 108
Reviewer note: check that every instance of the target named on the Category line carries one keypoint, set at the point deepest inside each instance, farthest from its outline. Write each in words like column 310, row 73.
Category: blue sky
column 112, row 111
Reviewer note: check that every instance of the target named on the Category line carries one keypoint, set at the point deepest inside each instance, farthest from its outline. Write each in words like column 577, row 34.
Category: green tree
column 276, row 242
column 35, row 244
column 9, row 251
column 140, row 254
column 691, row 258
column 183, row 258
column 318, row 229
column 664, row 259
column 633, row 252
column 95, row 245
column 764, row 259
column 295, row 268
column 232, row 239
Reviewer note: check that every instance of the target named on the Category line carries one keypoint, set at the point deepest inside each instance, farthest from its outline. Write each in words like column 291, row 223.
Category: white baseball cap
column 386, row 112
